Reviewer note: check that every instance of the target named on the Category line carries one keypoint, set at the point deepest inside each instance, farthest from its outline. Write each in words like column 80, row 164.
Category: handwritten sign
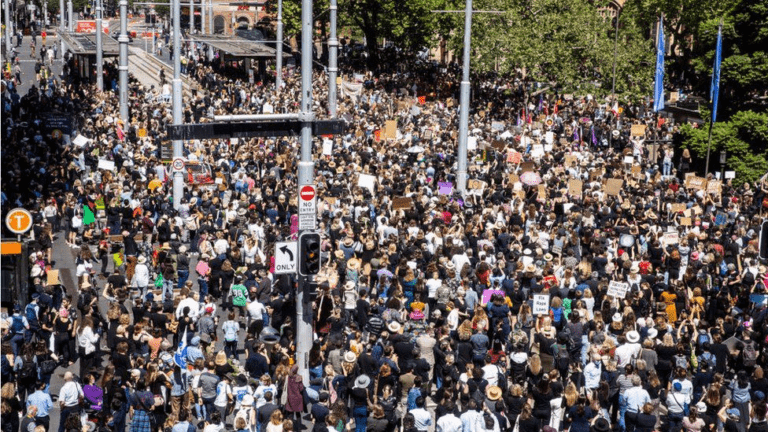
column 730, row 175
column 541, row 304
column 671, row 238
column 638, row 130
column 677, row 207
column 618, row 289
column 445, row 188
column 106, row 165
column 514, row 178
column 527, row 166
column 476, row 184
column 685, row 221
column 715, row 187
column 399, row 203
column 695, row 182
column 487, row 294
column 53, row 277
column 498, row 145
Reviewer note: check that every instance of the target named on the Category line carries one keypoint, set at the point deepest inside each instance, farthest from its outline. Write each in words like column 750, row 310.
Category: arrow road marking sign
column 285, row 257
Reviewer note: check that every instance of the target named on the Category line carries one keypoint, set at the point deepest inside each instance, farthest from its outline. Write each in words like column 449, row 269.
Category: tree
column 744, row 138
column 567, row 42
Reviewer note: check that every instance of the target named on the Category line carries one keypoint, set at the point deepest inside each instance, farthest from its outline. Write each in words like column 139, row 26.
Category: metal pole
column 202, row 16
column 123, row 67
column 279, row 60
column 45, row 14
column 71, row 22
column 210, row 28
column 333, row 46
column 709, row 146
column 8, row 43
column 461, row 169
column 178, row 177
column 615, row 50
column 191, row 16
column 61, row 27
column 99, row 48
column 306, row 177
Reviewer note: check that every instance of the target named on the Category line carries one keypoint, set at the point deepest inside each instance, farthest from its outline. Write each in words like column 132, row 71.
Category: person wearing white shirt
column 432, row 285
column 449, row 422
column 592, row 373
column 69, row 398
column 629, row 350
column 636, row 397
column 192, row 304
column 140, row 278
column 256, row 311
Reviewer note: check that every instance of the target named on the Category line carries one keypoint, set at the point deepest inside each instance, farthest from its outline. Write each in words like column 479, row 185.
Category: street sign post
column 307, row 207
column 178, row 165
column 286, row 257
column 18, row 220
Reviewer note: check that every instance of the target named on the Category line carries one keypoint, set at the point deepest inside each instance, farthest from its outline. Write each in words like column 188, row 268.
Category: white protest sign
column 366, row 181
column 541, row 304
column 80, row 141
column 327, row 147
column 106, row 165
column 730, row 174
column 618, row 289
column 471, row 143
column 549, row 137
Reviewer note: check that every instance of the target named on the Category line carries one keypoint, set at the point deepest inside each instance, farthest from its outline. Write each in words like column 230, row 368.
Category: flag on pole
column 658, row 89
column 594, row 137
column 714, row 88
column 576, row 135
column 180, row 357
column 88, row 217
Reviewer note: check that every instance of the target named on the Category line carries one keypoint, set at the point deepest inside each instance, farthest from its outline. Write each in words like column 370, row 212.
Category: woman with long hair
column 64, row 329
column 10, row 407
column 87, row 342
column 542, row 394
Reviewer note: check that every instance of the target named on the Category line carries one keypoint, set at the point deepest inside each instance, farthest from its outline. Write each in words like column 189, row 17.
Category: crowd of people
column 584, row 282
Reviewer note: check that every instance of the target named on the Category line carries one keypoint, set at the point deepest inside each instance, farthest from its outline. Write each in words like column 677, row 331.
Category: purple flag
column 594, row 138
column 576, row 135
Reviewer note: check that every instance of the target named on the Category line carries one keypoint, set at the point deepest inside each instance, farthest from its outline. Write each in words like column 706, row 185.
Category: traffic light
column 309, row 254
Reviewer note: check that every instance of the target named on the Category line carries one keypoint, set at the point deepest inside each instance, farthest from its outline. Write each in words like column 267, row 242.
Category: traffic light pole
column 304, row 331
column 178, row 177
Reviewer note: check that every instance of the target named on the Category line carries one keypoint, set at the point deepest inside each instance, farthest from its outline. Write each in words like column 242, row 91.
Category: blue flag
column 714, row 89
column 658, row 89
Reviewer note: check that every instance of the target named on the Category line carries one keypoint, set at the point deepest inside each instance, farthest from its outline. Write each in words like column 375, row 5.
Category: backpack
column 750, row 355
column 28, row 370
column 30, row 313
column 47, row 366
column 562, row 358
column 17, row 327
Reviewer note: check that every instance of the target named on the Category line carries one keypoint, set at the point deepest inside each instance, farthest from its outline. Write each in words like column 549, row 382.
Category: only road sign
column 286, row 258
column 18, row 220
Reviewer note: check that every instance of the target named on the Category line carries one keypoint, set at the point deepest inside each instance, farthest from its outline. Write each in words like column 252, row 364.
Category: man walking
column 69, row 398
column 42, row 403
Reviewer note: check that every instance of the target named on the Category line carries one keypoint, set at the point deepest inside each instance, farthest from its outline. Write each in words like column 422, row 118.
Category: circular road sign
column 18, row 220
column 307, row 193
column 178, row 164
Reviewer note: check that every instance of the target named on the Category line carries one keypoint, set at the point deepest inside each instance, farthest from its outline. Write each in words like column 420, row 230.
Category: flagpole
column 714, row 90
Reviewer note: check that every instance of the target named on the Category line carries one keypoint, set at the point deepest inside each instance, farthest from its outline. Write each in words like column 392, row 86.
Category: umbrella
column 415, row 149
column 530, row 178
column 384, row 272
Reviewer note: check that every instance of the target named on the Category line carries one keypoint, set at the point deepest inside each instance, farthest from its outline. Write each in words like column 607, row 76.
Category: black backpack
column 28, row 370
column 562, row 358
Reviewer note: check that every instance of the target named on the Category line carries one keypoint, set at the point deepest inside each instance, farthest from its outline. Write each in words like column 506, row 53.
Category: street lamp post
column 99, row 48
column 333, row 45
column 8, row 43
column 61, row 26
column 461, row 168
column 279, row 60
column 178, row 177
column 70, row 16
column 123, row 66
column 202, row 16
column 191, row 16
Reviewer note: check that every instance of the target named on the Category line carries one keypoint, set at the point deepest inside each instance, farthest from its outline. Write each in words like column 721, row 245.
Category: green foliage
column 568, row 42
column 744, row 138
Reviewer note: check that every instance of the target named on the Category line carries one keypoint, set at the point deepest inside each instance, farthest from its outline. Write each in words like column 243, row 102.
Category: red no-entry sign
column 307, row 193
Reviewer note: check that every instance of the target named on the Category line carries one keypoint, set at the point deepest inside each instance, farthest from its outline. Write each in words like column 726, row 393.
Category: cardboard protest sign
column 514, row 178
column 527, row 166
column 487, row 294
column 618, row 289
column 540, row 304
column 636, row 171
column 445, row 188
column 476, row 184
column 715, row 187
column 390, row 129
column 730, row 175
column 685, row 221
column 638, row 130
column 677, row 207
column 595, row 174
column 497, row 126
column 330, row 200
column 569, row 160
column 542, row 191
column 116, row 238
column 671, row 238
column 53, row 277
column 399, row 203
column 575, row 187
column 498, row 145
column 695, row 182
column 613, row 186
